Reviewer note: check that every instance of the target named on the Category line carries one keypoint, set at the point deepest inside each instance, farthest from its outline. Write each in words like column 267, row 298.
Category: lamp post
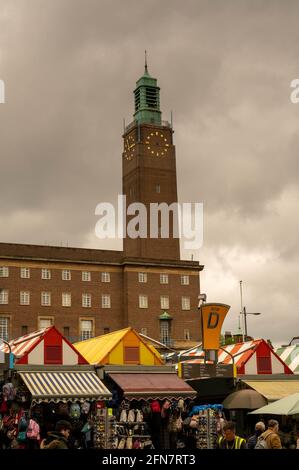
column 245, row 313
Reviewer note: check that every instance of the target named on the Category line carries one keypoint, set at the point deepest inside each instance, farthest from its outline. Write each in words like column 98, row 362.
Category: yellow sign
column 212, row 318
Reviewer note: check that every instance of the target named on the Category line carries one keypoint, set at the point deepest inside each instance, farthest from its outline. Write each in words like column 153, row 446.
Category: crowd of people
column 261, row 439
column 170, row 426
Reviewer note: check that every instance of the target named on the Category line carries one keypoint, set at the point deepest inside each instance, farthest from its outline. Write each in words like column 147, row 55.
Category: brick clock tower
column 149, row 170
column 159, row 289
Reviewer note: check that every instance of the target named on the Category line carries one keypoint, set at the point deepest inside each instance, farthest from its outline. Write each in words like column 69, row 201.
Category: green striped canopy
column 290, row 355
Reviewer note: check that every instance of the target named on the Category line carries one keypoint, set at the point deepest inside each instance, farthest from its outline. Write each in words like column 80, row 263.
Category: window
column 165, row 332
column 106, row 330
column 264, row 365
column 4, row 328
column 131, row 355
column 24, row 297
column 53, row 355
column 66, row 332
column 24, row 330
column 46, row 274
column 106, row 301
column 66, row 275
column 151, row 96
column 143, row 301
column 185, row 280
column 185, row 303
column 4, row 271
column 45, row 322
column 46, row 299
column 158, row 188
column 66, row 299
column 187, row 335
column 143, row 331
column 25, row 273
column 142, row 277
column 86, row 329
column 86, row 300
column 163, row 278
column 3, row 297
column 164, row 301
column 86, row 276
column 105, row 277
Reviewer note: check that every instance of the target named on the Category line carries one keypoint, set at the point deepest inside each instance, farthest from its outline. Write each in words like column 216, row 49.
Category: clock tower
column 149, row 174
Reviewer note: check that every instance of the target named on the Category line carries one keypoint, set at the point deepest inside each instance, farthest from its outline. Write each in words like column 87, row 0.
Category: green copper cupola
column 147, row 100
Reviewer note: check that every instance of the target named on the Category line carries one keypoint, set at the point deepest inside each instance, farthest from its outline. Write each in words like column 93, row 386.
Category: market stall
column 119, row 347
column 46, row 346
column 251, row 357
column 150, row 405
column 42, row 396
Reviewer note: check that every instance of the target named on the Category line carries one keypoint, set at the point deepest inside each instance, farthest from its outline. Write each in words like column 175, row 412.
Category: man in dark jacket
column 259, row 429
column 58, row 439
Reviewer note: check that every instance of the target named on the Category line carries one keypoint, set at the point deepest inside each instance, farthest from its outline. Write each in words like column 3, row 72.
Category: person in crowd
column 58, row 439
column 221, row 421
column 230, row 440
column 259, row 429
column 271, row 435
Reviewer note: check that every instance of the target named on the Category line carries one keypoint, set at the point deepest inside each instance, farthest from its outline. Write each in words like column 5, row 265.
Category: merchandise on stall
column 206, row 423
column 131, row 431
column 105, row 436
column 28, row 413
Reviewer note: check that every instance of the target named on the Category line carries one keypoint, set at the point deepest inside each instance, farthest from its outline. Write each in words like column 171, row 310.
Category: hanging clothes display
column 205, row 425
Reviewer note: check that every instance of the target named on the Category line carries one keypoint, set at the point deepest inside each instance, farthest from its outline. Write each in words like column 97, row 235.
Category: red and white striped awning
column 240, row 351
column 22, row 345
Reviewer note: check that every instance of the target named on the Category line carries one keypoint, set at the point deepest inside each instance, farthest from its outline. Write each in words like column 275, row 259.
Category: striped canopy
column 240, row 351
column 290, row 355
column 22, row 345
column 64, row 386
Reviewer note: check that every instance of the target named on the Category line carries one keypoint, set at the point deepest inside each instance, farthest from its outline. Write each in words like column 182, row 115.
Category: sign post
column 212, row 317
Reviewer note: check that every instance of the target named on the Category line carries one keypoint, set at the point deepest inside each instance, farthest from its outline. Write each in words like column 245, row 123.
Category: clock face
column 130, row 146
column 157, row 144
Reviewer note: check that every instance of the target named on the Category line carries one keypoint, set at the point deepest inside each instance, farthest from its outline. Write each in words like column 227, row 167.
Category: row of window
column 86, row 329
column 66, row 275
column 164, row 302
column 46, row 299
column 86, row 300
column 142, row 278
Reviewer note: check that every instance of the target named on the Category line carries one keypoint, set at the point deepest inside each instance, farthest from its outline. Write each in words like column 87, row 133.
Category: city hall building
column 90, row 292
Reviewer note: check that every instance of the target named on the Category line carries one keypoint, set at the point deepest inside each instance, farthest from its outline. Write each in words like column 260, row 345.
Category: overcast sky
column 224, row 68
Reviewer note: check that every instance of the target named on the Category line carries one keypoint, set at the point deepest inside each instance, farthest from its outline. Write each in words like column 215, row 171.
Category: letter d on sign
column 212, row 318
